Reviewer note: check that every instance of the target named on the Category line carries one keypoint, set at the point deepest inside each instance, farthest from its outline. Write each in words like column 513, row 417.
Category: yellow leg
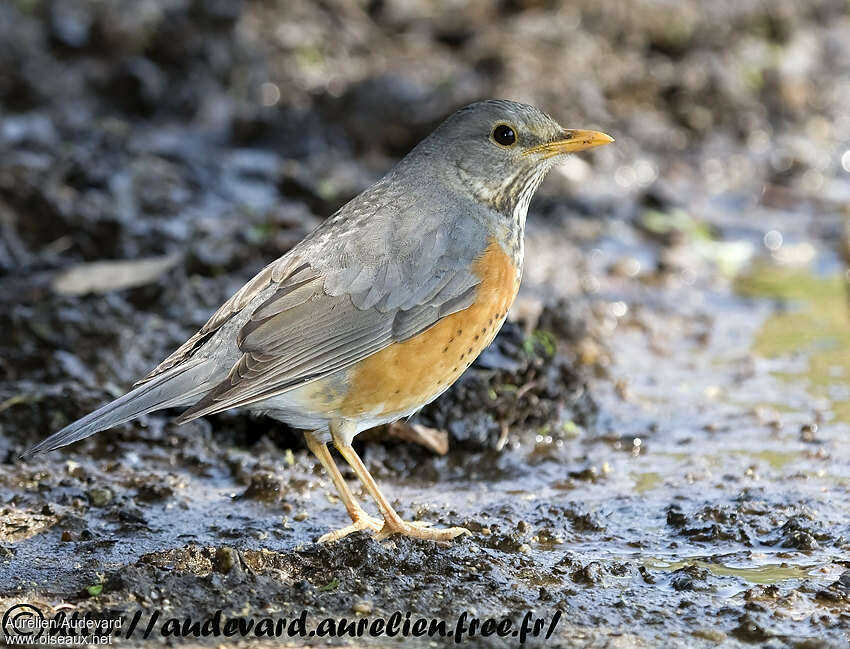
column 360, row 519
column 393, row 524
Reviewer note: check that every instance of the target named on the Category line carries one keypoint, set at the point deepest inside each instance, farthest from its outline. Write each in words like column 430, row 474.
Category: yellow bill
column 573, row 140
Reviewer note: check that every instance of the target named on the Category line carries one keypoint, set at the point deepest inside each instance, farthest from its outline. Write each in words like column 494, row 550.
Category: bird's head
column 500, row 151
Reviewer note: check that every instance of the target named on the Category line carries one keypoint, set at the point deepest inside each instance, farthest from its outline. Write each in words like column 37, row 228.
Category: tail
column 175, row 387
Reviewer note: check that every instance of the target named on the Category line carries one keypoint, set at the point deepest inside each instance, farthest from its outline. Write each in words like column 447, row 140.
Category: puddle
column 646, row 481
column 814, row 323
column 765, row 573
column 777, row 460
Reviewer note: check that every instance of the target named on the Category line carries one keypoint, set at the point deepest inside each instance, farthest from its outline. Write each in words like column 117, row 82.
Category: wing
column 262, row 281
column 368, row 283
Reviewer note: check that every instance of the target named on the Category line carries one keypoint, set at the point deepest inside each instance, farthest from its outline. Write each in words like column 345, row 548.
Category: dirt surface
column 656, row 445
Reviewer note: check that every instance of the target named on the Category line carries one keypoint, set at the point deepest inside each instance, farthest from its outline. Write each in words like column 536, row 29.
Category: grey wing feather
column 289, row 266
column 350, row 303
column 175, row 387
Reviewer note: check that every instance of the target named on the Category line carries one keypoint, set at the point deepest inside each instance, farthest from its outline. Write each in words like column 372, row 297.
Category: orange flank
column 406, row 375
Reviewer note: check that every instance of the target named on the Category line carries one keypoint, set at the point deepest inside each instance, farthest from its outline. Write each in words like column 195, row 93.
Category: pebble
column 362, row 607
column 75, row 470
column 808, row 432
column 99, row 496
column 227, row 560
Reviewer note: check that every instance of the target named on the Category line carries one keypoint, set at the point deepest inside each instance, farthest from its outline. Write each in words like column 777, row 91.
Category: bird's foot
column 362, row 522
column 419, row 530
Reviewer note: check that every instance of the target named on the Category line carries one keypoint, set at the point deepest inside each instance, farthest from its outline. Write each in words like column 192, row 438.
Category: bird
column 377, row 311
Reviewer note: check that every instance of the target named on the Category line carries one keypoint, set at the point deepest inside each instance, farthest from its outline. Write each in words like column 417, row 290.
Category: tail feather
column 179, row 386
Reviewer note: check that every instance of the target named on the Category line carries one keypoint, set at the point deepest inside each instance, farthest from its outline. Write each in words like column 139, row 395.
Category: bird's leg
column 360, row 519
column 393, row 524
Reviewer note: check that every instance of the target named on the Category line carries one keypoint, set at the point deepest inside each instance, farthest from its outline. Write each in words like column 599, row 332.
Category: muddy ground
column 657, row 443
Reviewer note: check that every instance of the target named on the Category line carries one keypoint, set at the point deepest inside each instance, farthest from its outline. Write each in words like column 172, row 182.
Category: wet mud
column 655, row 445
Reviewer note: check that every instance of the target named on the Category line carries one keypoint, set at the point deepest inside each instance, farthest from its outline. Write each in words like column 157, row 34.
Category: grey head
column 499, row 151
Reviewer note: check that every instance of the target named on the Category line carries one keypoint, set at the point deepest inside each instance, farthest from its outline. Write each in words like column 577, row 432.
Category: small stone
column 525, row 548
column 227, row 560
column 675, row 516
column 801, row 540
column 301, row 516
column 486, row 531
column 808, row 432
column 647, row 576
column 589, row 574
column 362, row 607
column 67, row 536
column 99, row 496
column 75, row 470
column 265, row 486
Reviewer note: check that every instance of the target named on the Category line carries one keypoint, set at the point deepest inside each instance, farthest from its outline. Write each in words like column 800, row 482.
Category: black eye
column 504, row 135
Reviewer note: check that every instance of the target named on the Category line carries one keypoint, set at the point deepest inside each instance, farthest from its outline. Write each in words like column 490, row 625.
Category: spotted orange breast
column 404, row 376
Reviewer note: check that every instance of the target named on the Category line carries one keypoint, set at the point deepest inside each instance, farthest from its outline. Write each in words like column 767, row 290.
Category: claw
column 419, row 530
column 366, row 522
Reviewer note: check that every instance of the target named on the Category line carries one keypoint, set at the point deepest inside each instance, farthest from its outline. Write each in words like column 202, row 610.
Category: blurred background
column 666, row 414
